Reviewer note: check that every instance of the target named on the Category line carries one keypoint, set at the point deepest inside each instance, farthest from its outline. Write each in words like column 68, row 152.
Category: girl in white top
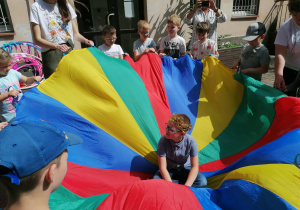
column 287, row 49
column 54, row 28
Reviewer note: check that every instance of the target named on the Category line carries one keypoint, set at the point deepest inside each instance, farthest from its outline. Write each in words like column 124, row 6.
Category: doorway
column 122, row 14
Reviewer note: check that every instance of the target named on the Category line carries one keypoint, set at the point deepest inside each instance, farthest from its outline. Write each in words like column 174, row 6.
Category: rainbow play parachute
column 247, row 133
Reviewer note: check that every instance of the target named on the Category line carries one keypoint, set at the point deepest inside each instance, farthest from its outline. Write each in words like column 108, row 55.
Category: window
column 5, row 20
column 244, row 8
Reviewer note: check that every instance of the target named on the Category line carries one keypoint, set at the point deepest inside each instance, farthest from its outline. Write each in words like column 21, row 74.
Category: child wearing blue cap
column 178, row 154
column 33, row 162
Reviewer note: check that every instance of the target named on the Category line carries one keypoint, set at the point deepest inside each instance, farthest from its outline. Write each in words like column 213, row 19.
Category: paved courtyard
column 268, row 78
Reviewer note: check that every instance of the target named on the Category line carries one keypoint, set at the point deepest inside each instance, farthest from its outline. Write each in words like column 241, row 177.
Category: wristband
column 216, row 10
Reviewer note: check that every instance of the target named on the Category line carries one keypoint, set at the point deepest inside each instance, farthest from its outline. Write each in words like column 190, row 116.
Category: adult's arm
column 162, row 164
column 221, row 17
column 78, row 36
column 188, row 19
column 280, row 55
column 193, row 172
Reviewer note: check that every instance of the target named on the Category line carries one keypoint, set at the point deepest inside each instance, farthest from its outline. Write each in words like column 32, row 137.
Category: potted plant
column 229, row 49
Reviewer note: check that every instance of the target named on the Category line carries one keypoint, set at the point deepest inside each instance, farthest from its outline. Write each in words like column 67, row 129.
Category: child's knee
column 200, row 181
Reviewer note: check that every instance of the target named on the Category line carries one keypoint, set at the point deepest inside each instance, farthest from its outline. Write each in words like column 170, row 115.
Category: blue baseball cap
column 27, row 146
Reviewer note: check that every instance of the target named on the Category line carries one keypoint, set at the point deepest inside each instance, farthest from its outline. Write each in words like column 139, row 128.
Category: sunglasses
column 144, row 33
column 168, row 128
column 110, row 38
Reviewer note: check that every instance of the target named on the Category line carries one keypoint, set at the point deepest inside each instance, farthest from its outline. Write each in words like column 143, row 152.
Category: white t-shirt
column 53, row 29
column 114, row 51
column 173, row 47
column 289, row 36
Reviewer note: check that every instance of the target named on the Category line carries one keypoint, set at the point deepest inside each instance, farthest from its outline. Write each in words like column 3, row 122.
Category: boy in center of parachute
column 178, row 154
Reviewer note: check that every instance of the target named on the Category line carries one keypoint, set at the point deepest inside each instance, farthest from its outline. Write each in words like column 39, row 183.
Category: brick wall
column 228, row 55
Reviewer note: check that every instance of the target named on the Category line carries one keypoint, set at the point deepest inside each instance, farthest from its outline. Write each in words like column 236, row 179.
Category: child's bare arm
column 138, row 55
column 162, row 163
column 44, row 43
column 30, row 80
column 193, row 172
column 152, row 49
column 260, row 70
column 12, row 93
column 236, row 64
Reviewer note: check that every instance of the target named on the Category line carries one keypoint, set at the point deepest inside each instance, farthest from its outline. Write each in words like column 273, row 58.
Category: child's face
column 172, row 29
column 202, row 36
column 173, row 132
column 109, row 39
column 296, row 17
column 4, row 68
column 144, row 33
column 255, row 42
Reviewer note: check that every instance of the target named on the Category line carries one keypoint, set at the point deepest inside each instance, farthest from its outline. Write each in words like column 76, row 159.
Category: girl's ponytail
column 64, row 10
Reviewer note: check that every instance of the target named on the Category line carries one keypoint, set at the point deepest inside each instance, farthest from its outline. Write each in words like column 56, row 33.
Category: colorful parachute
column 247, row 133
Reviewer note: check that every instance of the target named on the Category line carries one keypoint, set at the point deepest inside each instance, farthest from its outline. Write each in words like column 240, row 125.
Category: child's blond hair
column 143, row 24
column 4, row 56
column 181, row 121
column 175, row 19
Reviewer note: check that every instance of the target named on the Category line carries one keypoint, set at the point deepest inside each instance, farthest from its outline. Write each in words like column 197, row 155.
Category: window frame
column 244, row 9
column 7, row 29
